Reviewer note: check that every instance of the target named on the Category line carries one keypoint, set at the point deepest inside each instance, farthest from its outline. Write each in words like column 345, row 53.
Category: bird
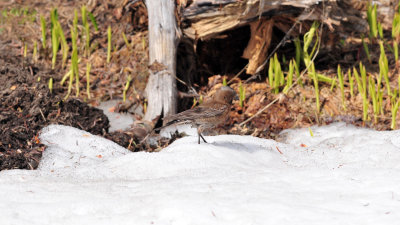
column 207, row 115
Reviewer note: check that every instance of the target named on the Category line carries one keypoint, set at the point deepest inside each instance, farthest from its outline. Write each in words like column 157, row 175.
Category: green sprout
column 308, row 38
column 366, row 48
column 311, row 132
column 55, row 44
column 75, row 24
column 396, row 35
column 384, row 67
column 333, row 85
column 242, row 94
column 297, row 44
column 275, row 74
column 67, row 75
column 127, row 84
column 128, row 45
column 88, row 68
column 109, row 44
column 380, row 30
column 224, row 81
column 51, row 85
column 289, row 82
column 395, row 108
column 25, row 49
column 64, row 44
column 43, row 24
column 87, row 30
column 341, row 85
column 351, row 82
column 34, row 54
column 316, row 86
column 374, row 97
column 362, row 91
column 372, row 22
column 297, row 71
column 91, row 17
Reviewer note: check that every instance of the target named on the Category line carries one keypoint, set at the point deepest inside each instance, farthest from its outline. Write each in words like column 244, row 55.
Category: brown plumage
column 207, row 115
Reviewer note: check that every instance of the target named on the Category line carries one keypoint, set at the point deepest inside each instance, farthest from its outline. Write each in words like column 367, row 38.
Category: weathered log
column 161, row 89
column 206, row 19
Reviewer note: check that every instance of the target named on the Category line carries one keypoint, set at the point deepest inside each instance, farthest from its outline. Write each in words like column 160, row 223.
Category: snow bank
column 342, row 175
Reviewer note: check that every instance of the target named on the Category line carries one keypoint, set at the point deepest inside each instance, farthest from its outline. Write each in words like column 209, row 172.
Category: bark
column 163, row 41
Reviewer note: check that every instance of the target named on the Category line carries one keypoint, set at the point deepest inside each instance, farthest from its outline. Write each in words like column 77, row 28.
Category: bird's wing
column 202, row 111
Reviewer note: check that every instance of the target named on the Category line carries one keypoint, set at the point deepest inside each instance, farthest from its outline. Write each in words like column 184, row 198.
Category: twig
column 238, row 74
column 44, row 118
column 278, row 150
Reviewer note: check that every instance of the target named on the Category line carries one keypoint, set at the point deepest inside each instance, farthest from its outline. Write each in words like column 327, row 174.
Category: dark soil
column 26, row 106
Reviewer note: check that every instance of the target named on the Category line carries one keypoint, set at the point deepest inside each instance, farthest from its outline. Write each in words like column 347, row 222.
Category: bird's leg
column 200, row 136
column 203, row 138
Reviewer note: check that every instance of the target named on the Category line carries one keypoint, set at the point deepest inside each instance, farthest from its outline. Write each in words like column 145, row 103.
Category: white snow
column 118, row 121
column 342, row 175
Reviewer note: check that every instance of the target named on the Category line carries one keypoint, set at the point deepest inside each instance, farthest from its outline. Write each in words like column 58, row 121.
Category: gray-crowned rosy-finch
column 207, row 115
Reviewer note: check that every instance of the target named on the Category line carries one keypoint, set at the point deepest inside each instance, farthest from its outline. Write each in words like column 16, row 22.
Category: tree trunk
column 163, row 41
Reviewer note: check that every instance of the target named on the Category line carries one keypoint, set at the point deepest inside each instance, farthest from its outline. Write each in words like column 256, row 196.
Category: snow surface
column 342, row 175
column 118, row 121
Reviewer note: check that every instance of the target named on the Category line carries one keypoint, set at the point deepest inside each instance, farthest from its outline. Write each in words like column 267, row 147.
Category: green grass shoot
column 311, row 132
column 54, row 36
column 380, row 31
column 67, row 75
column 109, row 44
column 363, row 73
column 51, row 85
column 271, row 73
column 396, row 35
column 54, row 45
column 333, row 85
column 372, row 22
column 64, row 44
column 316, row 86
column 308, row 38
column 242, row 94
column 366, row 48
column 297, row 71
column 224, row 81
column 93, row 19
column 34, row 54
column 384, row 67
column 362, row 91
column 297, row 45
column 25, row 49
column 128, row 45
column 374, row 98
column 126, row 88
column 395, row 108
column 75, row 24
column 43, row 25
column 289, row 81
column 84, row 15
column 275, row 74
column 87, row 30
column 351, row 82
column 341, row 85
column 74, row 60
column 88, row 68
